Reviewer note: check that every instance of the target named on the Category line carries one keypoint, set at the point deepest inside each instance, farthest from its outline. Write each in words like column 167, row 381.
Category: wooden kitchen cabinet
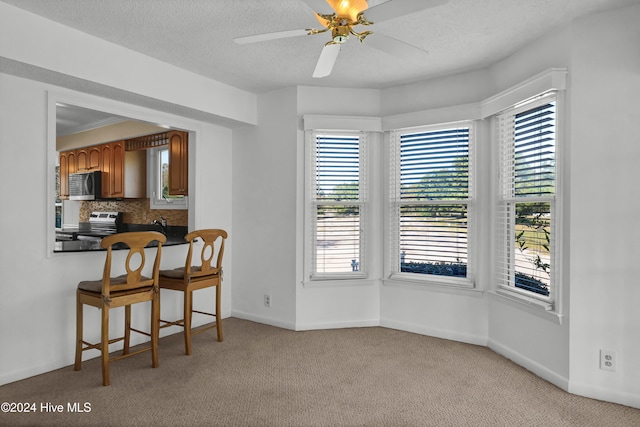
column 123, row 172
column 63, row 191
column 79, row 160
column 112, row 169
column 68, row 161
column 89, row 159
column 178, row 163
column 82, row 160
column 72, row 161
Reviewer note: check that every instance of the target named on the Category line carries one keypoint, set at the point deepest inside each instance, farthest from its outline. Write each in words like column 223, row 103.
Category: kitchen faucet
column 163, row 224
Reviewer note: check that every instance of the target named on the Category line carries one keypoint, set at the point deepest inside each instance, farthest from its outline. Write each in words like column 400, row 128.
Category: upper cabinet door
column 112, row 156
column 106, row 154
column 118, row 169
column 94, row 158
column 89, row 159
column 63, row 191
column 82, row 160
column 72, row 161
column 178, row 163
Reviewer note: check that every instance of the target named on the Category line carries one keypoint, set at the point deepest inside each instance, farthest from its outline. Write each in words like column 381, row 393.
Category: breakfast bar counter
column 175, row 236
column 94, row 245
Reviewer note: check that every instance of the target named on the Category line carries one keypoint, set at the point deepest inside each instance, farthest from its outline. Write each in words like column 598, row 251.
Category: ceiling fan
column 341, row 16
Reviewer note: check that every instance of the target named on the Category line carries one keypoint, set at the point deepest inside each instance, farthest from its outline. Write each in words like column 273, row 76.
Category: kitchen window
column 431, row 210
column 158, row 161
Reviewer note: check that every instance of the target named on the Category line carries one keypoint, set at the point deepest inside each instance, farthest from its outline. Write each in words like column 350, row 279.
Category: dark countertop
column 175, row 236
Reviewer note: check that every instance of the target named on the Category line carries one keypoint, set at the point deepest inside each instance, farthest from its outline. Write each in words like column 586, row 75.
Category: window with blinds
column 338, row 208
column 431, row 210
column 527, row 188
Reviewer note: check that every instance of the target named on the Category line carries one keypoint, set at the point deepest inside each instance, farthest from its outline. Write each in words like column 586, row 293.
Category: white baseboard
column 530, row 365
column 262, row 319
column 294, row 326
column 606, row 394
column 337, row 325
column 434, row 332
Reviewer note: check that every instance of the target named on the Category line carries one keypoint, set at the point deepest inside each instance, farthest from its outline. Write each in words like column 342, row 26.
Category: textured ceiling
column 197, row 35
column 71, row 119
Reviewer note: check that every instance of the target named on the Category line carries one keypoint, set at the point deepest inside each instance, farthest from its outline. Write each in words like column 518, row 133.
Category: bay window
column 431, row 203
column 526, row 211
column 338, row 209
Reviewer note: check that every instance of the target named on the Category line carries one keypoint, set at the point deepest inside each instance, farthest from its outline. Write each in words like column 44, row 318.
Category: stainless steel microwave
column 85, row 186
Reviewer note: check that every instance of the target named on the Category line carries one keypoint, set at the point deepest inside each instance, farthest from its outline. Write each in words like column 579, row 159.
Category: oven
column 101, row 224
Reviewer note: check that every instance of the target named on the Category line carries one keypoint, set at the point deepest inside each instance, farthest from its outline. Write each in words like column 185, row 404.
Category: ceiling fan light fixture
column 349, row 9
column 340, row 34
column 342, row 21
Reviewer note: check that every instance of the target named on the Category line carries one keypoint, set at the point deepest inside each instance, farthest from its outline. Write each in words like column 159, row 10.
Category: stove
column 100, row 224
column 105, row 223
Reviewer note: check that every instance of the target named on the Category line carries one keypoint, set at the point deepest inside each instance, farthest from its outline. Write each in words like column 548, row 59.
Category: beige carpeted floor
column 266, row 376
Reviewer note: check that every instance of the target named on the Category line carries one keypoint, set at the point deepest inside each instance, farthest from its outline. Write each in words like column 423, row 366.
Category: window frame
column 506, row 227
column 394, row 203
column 154, row 167
column 312, row 203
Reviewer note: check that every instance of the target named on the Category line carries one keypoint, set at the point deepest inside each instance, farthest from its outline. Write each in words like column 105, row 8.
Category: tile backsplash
column 134, row 211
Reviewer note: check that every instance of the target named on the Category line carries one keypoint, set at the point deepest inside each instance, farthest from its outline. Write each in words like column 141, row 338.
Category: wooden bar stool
column 197, row 274
column 124, row 290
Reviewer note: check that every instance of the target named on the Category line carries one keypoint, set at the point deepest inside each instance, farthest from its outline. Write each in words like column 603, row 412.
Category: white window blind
column 338, row 204
column 431, row 188
column 527, row 188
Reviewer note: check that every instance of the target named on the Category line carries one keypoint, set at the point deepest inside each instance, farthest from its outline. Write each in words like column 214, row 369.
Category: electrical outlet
column 608, row 360
column 267, row 300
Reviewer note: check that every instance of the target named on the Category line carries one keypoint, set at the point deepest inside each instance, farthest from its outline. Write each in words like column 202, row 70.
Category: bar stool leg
column 218, row 315
column 155, row 328
column 105, row 345
column 188, row 309
column 79, row 333
column 127, row 329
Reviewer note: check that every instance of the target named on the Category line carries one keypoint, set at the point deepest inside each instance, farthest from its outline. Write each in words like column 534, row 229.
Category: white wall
column 537, row 340
column 264, row 212
column 335, row 304
column 439, row 311
column 211, row 205
column 453, row 90
column 268, row 187
column 605, row 293
column 36, row 281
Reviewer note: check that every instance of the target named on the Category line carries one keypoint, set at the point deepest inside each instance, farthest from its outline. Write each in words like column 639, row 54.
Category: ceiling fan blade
column 319, row 6
column 327, row 58
column 270, row 36
column 395, row 47
column 396, row 8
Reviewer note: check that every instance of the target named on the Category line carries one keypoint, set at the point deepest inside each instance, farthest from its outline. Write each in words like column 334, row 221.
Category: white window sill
column 175, row 204
column 534, row 306
column 433, row 279
column 434, row 283
column 360, row 280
